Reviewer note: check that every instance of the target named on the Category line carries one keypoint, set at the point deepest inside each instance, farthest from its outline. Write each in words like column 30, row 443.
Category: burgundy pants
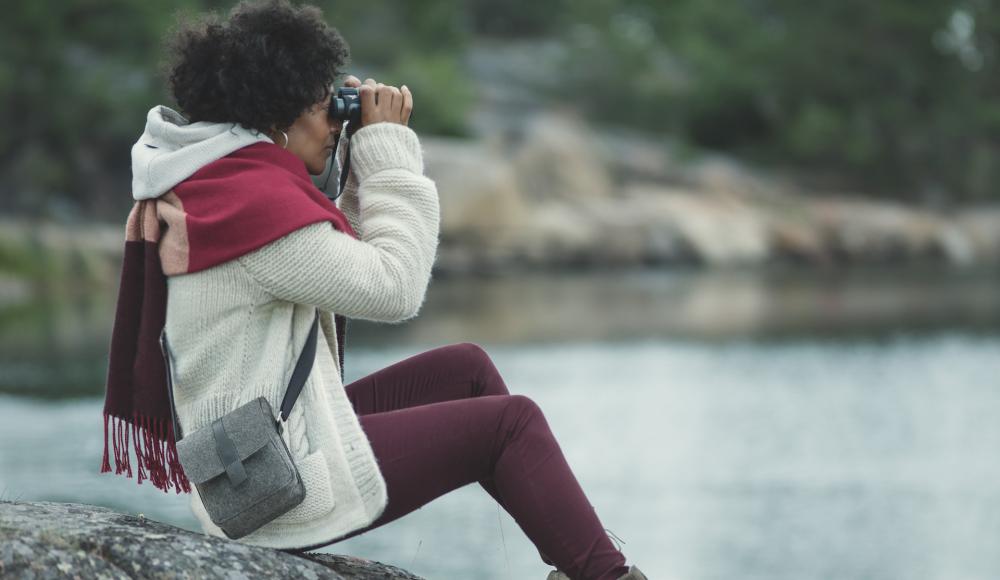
column 444, row 418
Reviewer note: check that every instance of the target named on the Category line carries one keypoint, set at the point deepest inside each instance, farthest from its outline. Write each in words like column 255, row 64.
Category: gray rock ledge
column 40, row 540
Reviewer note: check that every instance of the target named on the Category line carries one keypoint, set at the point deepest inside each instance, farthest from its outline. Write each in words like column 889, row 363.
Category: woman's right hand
column 382, row 103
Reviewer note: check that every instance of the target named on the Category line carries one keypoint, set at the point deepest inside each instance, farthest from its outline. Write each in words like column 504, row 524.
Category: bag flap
column 250, row 427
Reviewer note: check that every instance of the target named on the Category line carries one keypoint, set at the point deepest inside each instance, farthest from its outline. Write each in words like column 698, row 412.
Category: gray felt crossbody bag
column 239, row 463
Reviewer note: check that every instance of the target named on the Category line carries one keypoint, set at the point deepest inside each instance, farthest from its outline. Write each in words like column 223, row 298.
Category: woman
column 254, row 91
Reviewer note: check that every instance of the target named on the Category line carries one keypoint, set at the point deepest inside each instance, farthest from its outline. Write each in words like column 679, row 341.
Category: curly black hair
column 261, row 68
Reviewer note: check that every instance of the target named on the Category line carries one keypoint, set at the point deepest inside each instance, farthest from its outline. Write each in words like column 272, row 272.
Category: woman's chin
column 318, row 164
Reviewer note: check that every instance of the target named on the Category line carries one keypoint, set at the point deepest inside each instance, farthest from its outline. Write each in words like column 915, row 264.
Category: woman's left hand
column 385, row 103
column 352, row 81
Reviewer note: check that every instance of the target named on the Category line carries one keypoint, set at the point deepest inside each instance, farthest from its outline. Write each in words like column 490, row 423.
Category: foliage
column 418, row 44
column 74, row 86
column 899, row 95
column 78, row 76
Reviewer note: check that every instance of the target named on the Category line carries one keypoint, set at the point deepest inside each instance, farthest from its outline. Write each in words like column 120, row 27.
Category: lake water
column 726, row 425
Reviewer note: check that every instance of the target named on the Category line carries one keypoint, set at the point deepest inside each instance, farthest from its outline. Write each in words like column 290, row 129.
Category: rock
column 636, row 157
column 84, row 253
column 41, row 540
column 351, row 568
column 545, row 190
column 720, row 230
column 981, row 226
column 560, row 160
column 477, row 188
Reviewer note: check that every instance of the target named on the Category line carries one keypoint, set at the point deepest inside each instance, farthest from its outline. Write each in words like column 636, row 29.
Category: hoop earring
column 285, row 146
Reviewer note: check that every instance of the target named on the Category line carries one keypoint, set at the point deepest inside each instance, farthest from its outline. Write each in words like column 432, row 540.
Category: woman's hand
column 382, row 103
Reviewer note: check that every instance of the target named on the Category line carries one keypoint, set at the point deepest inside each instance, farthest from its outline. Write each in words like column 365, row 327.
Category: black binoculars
column 346, row 106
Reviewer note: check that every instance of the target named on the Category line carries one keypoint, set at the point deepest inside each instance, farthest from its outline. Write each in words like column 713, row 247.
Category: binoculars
column 346, row 106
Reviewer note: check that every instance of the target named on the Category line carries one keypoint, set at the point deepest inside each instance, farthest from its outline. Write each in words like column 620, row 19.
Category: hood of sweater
column 171, row 149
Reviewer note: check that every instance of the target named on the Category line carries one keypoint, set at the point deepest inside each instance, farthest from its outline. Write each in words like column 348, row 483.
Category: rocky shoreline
column 555, row 194
column 41, row 540
column 558, row 193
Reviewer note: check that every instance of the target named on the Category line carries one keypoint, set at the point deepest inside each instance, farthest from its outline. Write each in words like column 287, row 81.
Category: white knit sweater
column 237, row 329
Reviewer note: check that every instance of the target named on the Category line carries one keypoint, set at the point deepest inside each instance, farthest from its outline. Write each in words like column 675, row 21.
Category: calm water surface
column 723, row 426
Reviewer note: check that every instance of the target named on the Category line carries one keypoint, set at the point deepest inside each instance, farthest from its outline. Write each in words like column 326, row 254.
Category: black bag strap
column 299, row 375
column 301, row 372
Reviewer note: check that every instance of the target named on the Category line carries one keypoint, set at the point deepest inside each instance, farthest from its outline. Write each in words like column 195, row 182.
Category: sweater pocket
column 319, row 499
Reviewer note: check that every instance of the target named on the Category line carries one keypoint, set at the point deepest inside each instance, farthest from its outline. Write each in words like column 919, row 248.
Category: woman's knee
column 522, row 410
column 482, row 369
column 526, row 403
column 473, row 352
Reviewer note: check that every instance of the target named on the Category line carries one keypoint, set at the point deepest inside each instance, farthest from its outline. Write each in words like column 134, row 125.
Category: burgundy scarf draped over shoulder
column 226, row 209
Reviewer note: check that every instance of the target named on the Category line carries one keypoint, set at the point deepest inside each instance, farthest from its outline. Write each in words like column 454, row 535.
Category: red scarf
column 227, row 208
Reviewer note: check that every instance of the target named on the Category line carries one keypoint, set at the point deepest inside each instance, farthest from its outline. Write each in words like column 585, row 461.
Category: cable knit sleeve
column 383, row 275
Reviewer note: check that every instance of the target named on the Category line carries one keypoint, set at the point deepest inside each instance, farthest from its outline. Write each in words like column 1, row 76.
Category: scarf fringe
column 155, row 451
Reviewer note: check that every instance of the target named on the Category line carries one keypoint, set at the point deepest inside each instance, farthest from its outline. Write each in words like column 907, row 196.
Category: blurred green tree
column 898, row 95
column 75, row 81
column 78, row 76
